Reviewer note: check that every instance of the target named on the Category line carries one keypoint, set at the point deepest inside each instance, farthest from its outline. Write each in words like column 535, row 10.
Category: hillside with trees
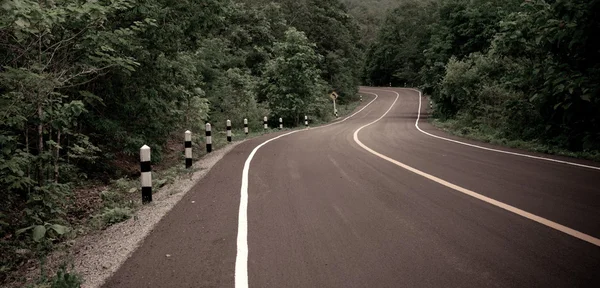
column 515, row 72
column 84, row 84
column 369, row 14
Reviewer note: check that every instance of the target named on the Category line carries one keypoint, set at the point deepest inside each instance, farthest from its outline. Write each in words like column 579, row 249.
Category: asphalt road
column 324, row 211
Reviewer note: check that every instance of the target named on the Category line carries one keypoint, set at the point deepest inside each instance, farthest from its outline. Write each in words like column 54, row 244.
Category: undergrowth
column 489, row 135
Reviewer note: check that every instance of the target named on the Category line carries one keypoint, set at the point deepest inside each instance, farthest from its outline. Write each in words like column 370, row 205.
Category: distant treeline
column 524, row 70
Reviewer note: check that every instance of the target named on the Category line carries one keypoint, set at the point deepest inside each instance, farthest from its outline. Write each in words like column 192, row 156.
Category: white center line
column 541, row 220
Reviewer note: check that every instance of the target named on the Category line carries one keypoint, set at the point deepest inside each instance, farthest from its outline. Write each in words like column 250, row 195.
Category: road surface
column 387, row 206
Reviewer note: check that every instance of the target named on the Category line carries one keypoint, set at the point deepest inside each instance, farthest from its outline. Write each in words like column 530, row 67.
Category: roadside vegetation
column 84, row 84
column 513, row 72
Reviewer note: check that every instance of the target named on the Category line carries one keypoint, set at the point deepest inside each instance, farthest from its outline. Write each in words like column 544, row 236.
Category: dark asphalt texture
column 324, row 212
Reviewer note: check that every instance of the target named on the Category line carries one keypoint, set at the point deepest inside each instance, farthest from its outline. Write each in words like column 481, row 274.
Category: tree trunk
column 24, row 193
column 57, row 156
column 40, row 145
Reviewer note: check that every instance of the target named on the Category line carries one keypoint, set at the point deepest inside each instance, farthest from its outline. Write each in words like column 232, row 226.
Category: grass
column 455, row 127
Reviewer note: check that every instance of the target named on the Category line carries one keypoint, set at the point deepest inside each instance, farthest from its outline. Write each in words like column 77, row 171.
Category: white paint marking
column 146, row 179
column 241, row 259
column 543, row 221
column 486, row 148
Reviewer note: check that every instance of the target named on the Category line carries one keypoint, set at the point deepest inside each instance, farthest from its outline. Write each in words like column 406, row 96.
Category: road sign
column 333, row 95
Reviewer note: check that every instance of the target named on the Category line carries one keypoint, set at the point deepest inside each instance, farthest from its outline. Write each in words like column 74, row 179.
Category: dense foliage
column 526, row 70
column 369, row 14
column 84, row 84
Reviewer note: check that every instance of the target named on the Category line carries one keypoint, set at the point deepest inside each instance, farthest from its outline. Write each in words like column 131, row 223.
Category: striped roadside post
column 265, row 123
column 228, row 130
column 246, row 126
column 188, row 149
column 208, row 138
column 146, row 176
column 305, row 120
column 360, row 98
column 280, row 123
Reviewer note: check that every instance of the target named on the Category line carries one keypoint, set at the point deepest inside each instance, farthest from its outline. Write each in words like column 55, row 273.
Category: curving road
column 387, row 206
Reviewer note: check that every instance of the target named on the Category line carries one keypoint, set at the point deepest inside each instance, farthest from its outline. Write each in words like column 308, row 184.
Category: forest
column 509, row 70
column 84, row 84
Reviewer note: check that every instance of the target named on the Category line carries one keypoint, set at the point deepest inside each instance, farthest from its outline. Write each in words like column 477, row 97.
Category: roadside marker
column 208, row 138
column 146, row 176
column 188, row 149
column 228, row 130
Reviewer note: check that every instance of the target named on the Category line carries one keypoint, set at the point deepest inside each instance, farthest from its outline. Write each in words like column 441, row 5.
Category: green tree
column 292, row 81
column 397, row 54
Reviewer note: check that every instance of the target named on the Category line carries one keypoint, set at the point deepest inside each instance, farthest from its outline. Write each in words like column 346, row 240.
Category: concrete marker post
column 228, row 130
column 188, row 149
column 246, row 126
column 265, row 123
column 280, row 123
column 146, row 175
column 208, row 138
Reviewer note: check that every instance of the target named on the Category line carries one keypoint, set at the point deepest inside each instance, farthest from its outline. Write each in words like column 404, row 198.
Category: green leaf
column 20, row 231
column 22, row 23
column 586, row 97
column 534, row 97
column 39, row 232
column 558, row 105
column 59, row 229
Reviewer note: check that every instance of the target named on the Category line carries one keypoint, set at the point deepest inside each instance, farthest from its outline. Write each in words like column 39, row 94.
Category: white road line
column 496, row 203
column 486, row 148
column 241, row 259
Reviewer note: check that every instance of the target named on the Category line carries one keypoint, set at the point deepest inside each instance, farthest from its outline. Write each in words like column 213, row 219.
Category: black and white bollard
column 146, row 176
column 360, row 98
column 246, row 126
column 265, row 123
column 280, row 123
column 228, row 130
column 208, row 138
column 305, row 120
column 188, row 149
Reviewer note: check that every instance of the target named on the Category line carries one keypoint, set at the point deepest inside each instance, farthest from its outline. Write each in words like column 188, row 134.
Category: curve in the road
column 241, row 260
column 541, row 220
column 486, row 148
